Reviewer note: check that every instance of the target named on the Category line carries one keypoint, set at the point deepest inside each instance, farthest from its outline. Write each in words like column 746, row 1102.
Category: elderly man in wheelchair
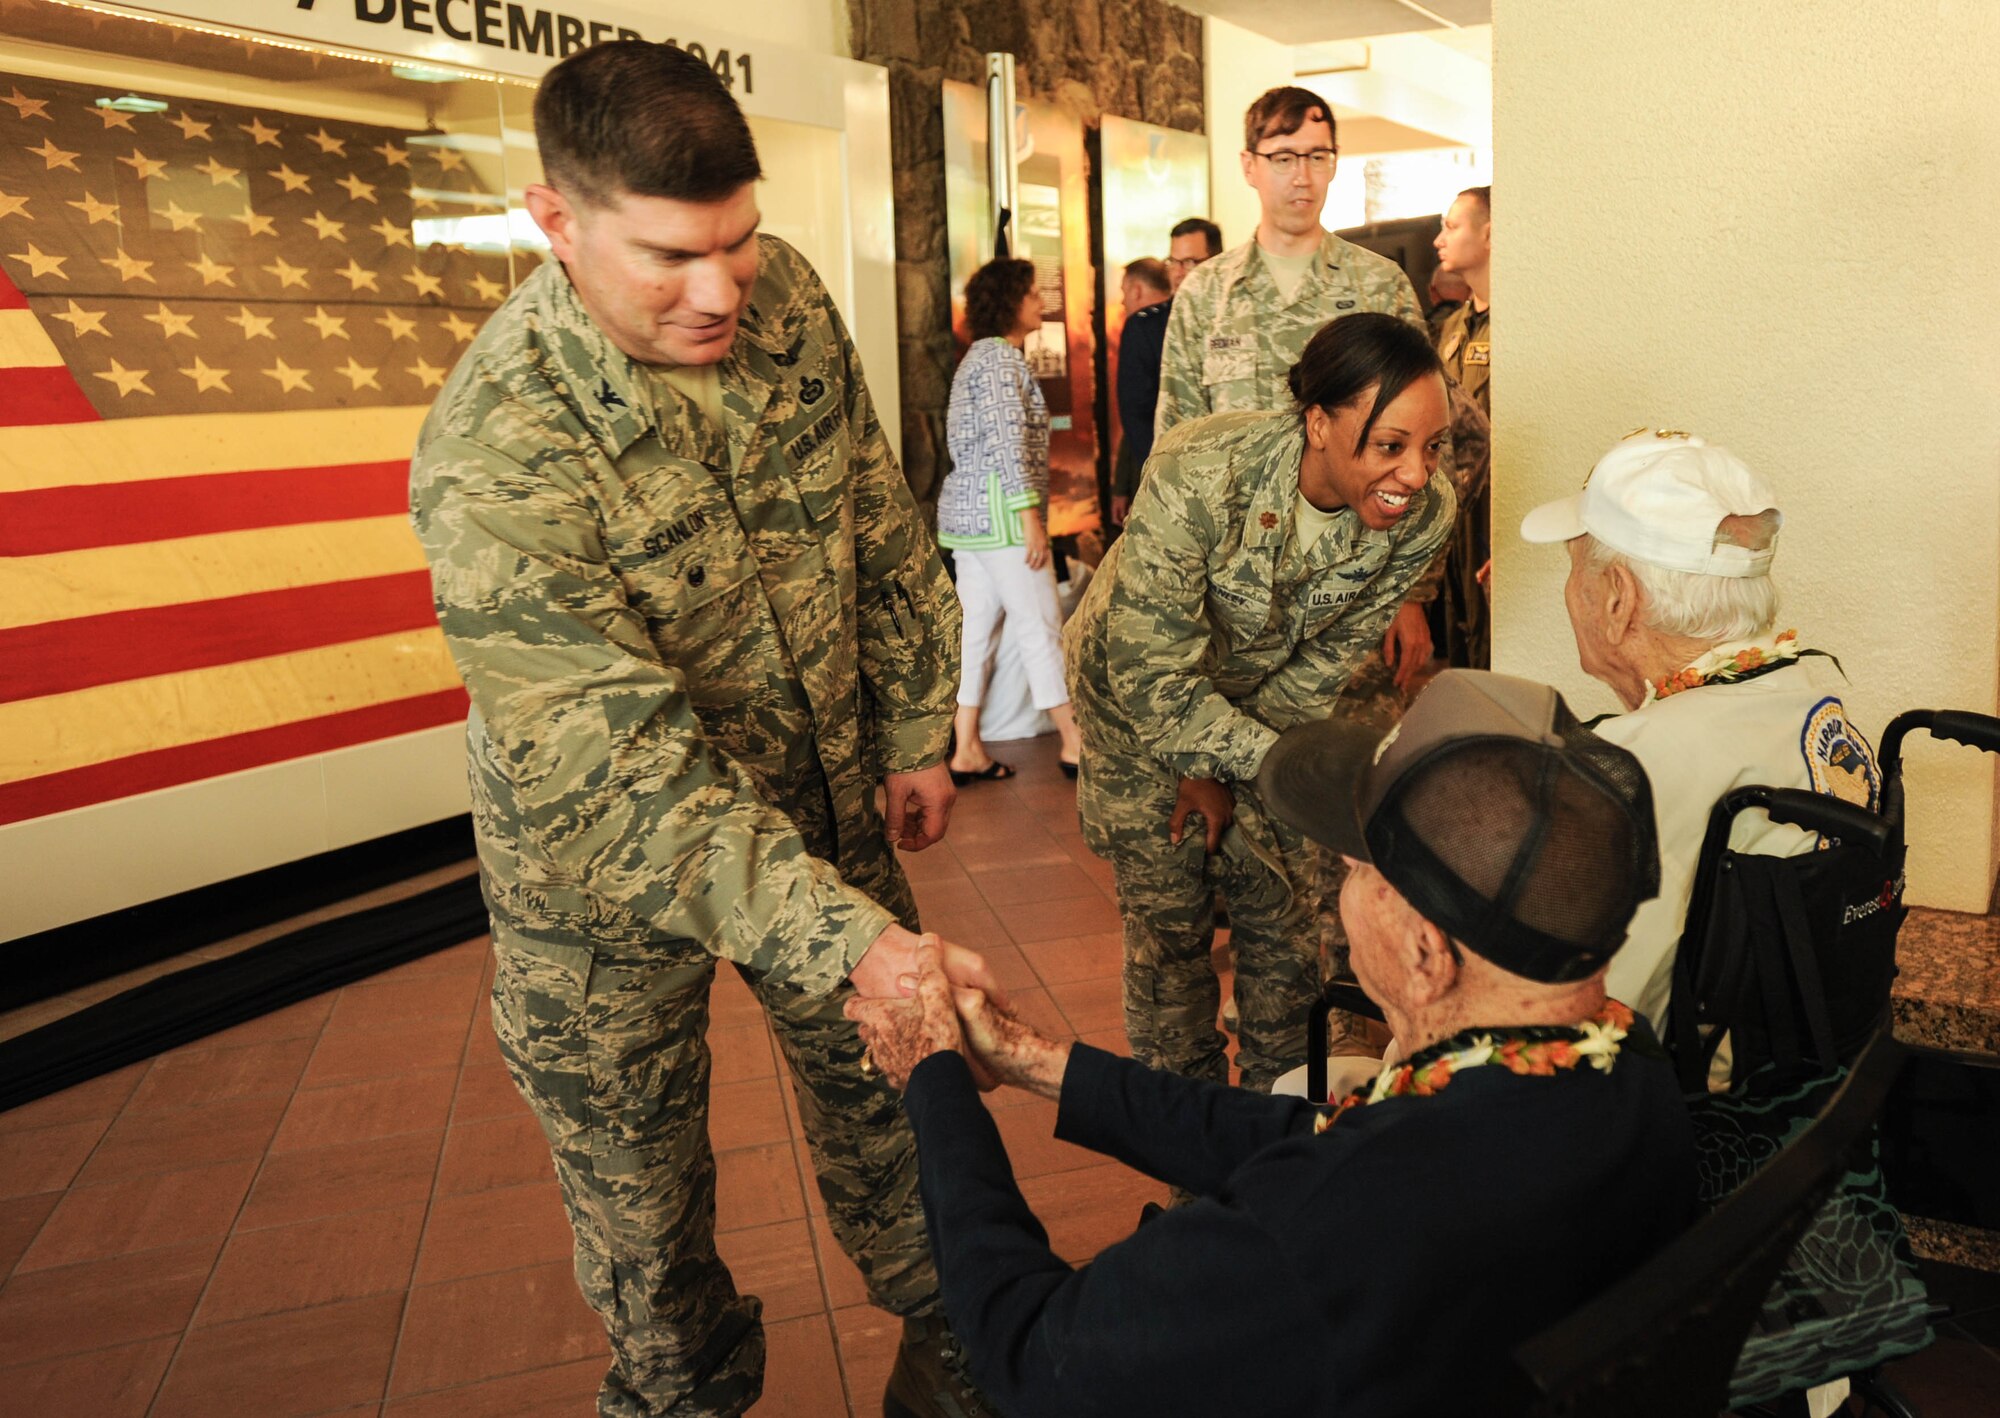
column 1672, row 602
column 1384, row 1255
column 1765, row 960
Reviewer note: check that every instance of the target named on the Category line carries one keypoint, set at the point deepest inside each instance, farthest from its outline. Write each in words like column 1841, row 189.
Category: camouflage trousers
column 607, row 1042
column 1266, row 873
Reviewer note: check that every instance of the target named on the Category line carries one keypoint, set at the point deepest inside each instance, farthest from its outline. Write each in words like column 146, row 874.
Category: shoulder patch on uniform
column 1838, row 759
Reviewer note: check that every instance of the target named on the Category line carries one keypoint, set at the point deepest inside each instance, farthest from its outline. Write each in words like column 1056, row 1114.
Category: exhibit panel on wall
column 234, row 270
column 1150, row 178
column 1052, row 230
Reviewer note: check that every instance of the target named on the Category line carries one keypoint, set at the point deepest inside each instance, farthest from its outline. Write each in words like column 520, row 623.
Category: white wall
column 1774, row 224
column 1236, row 67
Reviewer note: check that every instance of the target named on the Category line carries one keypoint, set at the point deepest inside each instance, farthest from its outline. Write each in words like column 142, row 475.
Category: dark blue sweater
column 1140, row 347
column 1386, row 1267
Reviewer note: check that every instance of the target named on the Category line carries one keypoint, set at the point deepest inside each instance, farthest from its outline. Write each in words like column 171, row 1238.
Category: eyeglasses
column 1185, row 263
column 1284, row 161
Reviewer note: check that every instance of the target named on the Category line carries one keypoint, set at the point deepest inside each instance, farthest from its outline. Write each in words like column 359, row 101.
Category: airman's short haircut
column 651, row 120
column 1150, row 271
column 1282, row 111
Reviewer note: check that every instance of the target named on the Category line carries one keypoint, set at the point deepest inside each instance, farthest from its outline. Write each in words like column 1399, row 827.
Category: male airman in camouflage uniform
column 699, row 619
column 1209, row 629
column 1465, row 344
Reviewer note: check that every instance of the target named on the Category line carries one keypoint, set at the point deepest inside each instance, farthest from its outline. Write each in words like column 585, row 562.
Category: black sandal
column 994, row 772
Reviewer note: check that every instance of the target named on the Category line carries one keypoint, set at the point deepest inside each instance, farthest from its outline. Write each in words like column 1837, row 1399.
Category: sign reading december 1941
column 527, row 29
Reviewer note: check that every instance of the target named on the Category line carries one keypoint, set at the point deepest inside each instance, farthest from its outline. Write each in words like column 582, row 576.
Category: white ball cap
column 1658, row 497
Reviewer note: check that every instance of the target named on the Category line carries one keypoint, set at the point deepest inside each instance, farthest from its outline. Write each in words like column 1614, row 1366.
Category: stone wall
column 1132, row 58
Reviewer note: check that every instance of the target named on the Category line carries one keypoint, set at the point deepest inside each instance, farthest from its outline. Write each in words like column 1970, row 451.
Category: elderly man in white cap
column 1672, row 603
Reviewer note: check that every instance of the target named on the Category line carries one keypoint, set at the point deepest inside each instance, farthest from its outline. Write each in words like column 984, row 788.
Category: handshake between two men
column 954, row 1006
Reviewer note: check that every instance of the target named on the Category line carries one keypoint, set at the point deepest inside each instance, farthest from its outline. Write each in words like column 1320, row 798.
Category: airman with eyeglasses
column 1285, row 161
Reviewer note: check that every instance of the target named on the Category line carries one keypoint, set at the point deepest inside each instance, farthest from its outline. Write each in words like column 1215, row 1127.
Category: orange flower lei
column 1730, row 662
column 1535, row 1050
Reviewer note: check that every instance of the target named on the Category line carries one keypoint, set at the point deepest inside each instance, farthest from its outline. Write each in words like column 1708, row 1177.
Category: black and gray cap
column 1498, row 816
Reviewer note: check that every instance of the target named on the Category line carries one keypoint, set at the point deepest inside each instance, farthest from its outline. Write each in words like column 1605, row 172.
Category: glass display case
column 235, row 268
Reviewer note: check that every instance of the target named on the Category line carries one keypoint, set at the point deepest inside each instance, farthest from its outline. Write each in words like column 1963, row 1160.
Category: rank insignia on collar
column 811, row 391
column 608, row 396
column 791, row 356
column 1268, row 521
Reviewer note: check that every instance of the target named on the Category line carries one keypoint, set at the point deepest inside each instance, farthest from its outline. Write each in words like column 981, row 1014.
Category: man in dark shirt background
column 1147, row 297
column 1147, row 292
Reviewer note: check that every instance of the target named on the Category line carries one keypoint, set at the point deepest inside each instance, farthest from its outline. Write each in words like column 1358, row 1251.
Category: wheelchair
column 1789, row 961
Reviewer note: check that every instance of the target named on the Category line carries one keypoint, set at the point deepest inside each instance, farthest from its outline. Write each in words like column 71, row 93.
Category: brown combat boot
column 930, row 1380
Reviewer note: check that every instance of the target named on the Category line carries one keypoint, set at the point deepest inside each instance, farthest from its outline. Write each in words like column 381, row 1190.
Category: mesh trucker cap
column 1660, row 495
column 1504, row 821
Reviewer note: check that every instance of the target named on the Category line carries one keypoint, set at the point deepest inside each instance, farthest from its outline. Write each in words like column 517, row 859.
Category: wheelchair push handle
column 1815, row 812
column 1963, row 726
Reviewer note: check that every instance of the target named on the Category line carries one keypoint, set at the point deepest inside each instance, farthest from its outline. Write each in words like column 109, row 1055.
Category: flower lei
column 1539, row 1049
column 1739, row 659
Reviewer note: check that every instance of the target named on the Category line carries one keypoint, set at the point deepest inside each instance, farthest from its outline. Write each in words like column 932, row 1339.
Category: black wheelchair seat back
column 1794, row 963
column 1790, row 958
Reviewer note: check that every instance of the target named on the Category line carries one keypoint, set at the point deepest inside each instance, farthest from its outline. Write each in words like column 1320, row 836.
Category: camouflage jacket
column 1232, row 338
column 679, row 638
column 1207, row 629
column 1465, row 344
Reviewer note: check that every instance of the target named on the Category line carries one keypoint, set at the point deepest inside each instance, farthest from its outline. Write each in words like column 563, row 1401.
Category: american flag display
column 218, row 336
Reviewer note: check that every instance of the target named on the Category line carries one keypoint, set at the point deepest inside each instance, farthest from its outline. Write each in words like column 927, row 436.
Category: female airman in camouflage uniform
column 1265, row 554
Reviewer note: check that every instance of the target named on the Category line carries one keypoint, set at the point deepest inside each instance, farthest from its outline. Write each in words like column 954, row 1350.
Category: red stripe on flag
column 188, row 763
column 57, row 519
column 57, row 656
column 34, row 394
column 10, row 294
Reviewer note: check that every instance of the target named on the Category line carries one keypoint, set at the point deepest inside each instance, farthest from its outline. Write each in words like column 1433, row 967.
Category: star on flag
column 55, row 157
column 82, row 322
column 144, row 166
column 206, row 378
column 40, row 262
column 289, row 378
column 253, row 326
column 28, row 107
column 171, row 324
column 126, row 379
column 95, row 210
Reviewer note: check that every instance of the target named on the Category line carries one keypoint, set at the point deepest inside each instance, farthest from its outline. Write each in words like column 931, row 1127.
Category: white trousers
column 997, row 585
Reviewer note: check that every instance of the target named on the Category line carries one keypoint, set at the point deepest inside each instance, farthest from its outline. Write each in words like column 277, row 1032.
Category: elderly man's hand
column 1006, row 1050
column 900, row 1034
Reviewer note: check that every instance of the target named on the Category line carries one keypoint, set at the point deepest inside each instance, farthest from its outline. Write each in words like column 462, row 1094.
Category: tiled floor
column 344, row 1208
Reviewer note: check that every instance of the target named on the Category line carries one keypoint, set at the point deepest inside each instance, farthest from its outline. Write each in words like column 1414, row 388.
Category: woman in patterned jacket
column 993, row 508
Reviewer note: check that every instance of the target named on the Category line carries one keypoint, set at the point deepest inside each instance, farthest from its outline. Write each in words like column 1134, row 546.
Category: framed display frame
column 256, row 678
column 1052, row 229
column 1149, row 178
